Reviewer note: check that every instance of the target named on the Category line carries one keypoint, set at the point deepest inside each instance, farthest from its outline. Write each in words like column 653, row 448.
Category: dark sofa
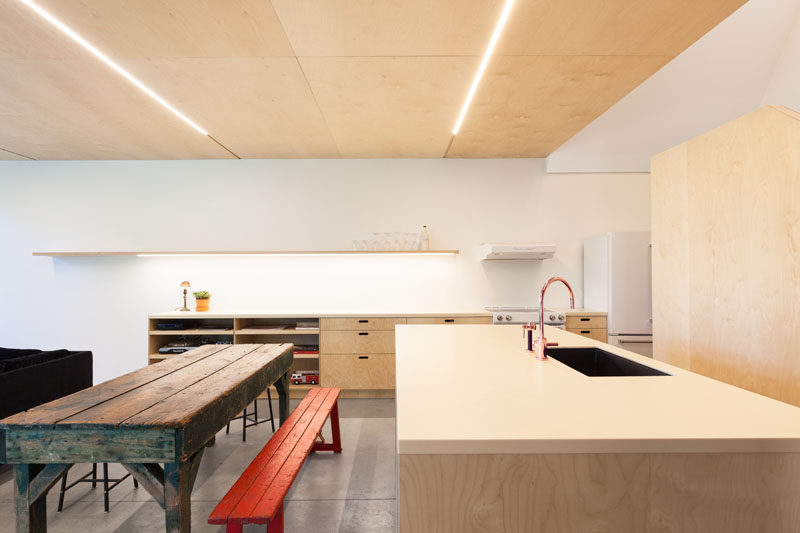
column 32, row 377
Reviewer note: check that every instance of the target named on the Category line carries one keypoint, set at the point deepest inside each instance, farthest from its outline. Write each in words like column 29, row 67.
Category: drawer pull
column 586, row 331
column 449, row 320
column 363, row 357
column 585, row 319
column 363, row 333
column 362, row 321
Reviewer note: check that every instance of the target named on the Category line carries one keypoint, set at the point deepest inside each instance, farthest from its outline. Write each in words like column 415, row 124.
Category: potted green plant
column 201, row 299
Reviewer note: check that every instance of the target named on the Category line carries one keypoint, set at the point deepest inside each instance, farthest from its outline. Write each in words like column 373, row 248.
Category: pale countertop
column 338, row 313
column 474, row 389
column 313, row 313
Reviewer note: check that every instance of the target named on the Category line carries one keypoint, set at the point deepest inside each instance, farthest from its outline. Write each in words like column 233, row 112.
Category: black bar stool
column 94, row 480
column 254, row 421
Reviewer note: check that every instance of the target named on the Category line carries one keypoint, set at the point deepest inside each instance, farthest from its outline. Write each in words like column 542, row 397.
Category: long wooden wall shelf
column 253, row 252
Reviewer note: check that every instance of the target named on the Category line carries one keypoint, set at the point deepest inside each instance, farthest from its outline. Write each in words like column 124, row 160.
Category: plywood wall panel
column 743, row 200
column 744, row 208
column 670, row 234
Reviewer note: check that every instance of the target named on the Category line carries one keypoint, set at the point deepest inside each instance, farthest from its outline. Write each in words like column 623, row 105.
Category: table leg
column 177, row 497
column 31, row 515
column 178, row 482
column 282, row 385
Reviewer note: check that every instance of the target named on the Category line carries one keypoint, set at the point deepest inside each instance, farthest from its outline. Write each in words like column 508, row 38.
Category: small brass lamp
column 185, row 286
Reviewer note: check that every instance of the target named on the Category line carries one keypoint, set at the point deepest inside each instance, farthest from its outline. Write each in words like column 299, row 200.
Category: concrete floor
column 351, row 492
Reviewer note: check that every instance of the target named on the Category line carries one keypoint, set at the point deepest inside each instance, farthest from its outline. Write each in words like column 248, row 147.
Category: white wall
column 102, row 303
column 784, row 85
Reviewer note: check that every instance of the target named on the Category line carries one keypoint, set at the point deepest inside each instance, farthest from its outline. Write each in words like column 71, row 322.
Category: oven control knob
column 561, row 317
column 552, row 317
column 499, row 318
column 508, row 318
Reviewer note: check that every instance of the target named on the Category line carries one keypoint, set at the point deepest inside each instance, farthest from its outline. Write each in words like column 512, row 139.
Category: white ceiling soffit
column 720, row 77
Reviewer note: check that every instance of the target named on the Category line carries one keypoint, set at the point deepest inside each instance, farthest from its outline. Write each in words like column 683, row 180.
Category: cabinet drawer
column 362, row 324
column 586, row 322
column 349, row 342
column 594, row 334
column 450, row 320
column 357, row 371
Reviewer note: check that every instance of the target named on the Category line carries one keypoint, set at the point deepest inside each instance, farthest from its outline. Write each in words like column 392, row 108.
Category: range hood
column 517, row 252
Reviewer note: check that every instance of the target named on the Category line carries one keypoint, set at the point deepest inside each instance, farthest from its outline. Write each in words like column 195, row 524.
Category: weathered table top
column 164, row 413
column 161, row 413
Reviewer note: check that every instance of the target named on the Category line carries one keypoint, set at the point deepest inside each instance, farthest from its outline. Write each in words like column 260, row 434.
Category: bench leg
column 335, row 445
column 276, row 524
column 233, row 527
column 337, row 436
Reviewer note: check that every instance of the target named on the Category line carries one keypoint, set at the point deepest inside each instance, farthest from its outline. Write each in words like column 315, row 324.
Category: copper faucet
column 540, row 345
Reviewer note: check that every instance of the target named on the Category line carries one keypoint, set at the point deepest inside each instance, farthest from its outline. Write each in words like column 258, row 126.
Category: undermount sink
column 598, row 363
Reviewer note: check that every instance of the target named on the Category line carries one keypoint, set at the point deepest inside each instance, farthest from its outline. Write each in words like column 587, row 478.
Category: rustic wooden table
column 164, row 413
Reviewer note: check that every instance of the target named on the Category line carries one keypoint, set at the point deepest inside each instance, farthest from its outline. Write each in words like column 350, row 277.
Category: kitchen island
column 490, row 439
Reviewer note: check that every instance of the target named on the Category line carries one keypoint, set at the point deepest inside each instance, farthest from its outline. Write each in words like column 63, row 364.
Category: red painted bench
column 257, row 496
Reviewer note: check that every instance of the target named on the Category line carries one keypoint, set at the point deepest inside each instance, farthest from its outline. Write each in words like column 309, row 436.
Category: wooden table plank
column 207, row 406
column 50, row 413
column 203, row 393
column 113, row 412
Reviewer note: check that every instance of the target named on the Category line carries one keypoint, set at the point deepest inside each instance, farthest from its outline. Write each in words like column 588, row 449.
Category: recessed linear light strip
column 498, row 29
column 105, row 59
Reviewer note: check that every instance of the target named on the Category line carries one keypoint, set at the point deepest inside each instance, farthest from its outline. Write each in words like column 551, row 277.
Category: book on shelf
column 307, row 325
column 306, row 349
column 267, row 327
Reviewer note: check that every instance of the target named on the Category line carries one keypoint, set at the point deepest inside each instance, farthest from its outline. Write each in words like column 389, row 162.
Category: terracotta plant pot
column 202, row 304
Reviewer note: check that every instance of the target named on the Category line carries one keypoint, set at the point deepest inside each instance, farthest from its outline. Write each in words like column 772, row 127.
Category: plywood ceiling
column 340, row 78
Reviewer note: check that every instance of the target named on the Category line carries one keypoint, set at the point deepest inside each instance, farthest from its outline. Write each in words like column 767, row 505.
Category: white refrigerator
column 617, row 279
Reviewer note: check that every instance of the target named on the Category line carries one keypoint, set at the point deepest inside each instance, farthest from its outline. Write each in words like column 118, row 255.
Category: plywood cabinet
column 350, row 342
column 358, row 371
column 592, row 326
column 357, row 353
column 586, row 322
column 450, row 320
column 360, row 323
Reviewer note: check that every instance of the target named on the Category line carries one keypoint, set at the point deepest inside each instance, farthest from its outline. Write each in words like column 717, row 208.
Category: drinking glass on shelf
column 375, row 241
column 409, row 241
column 386, row 240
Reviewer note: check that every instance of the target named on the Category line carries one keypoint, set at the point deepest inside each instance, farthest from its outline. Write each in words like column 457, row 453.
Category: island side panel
column 608, row 492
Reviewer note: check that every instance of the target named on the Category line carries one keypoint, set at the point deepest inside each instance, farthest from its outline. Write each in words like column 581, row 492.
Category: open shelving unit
column 239, row 331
